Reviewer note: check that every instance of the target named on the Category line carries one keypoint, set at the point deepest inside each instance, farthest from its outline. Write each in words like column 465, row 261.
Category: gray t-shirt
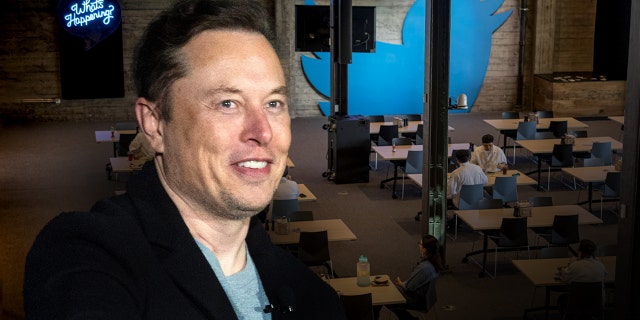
column 244, row 289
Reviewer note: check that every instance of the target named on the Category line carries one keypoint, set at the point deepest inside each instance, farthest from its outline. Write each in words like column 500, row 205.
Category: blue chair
column 561, row 157
column 412, row 165
column 602, row 150
column 470, row 195
column 386, row 134
column 505, row 188
column 611, row 188
column 526, row 131
column 420, row 134
column 558, row 128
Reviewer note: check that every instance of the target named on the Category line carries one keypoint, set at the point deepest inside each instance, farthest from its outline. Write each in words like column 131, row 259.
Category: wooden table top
column 543, row 123
column 542, row 146
column 374, row 127
column 521, row 180
column 337, row 230
column 387, row 153
column 380, row 295
column 542, row 272
column 105, row 135
column 308, row 195
column 491, row 219
column 590, row 174
column 618, row 119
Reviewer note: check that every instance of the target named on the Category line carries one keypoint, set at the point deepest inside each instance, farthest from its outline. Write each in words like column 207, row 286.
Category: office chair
column 611, row 188
column 313, row 250
column 505, row 188
column 602, row 150
column 558, row 128
column 584, row 301
column 358, row 307
column 412, row 165
column 544, row 114
column 525, row 131
column 284, row 208
column 513, row 234
column 561, row 157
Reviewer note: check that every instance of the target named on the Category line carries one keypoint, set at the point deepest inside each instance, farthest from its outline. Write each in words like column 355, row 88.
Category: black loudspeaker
column 349, row 148
column 611, row 39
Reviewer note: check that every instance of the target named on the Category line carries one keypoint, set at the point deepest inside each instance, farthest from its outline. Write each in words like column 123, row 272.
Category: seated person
column 416, row 288
column 140, row 148
column 586, row 268
column 466, row 173
column 287, row 188
column 490, row 157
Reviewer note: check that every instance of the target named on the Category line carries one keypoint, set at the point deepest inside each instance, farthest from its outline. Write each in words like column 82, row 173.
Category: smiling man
column 183, row 243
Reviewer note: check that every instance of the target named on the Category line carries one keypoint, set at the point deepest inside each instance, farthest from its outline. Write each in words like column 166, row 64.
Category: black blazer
column 132, row 257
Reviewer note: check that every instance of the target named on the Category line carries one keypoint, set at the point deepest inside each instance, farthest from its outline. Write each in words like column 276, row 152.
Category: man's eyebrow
column 223, row 90
column 280, row 90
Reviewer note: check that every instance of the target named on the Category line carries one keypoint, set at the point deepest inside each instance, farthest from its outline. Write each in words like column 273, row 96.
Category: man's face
column 226, row 146
column 487, row 146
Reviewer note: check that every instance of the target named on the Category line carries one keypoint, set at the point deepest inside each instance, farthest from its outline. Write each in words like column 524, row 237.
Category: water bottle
column 363, row 271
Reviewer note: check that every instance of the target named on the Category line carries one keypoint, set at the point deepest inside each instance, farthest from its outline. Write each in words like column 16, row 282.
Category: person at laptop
column 489, row 157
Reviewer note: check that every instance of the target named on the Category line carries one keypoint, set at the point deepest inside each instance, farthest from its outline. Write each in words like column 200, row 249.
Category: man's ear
column 150, row 123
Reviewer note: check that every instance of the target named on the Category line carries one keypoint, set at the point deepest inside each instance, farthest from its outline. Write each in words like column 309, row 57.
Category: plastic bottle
column 363, row 271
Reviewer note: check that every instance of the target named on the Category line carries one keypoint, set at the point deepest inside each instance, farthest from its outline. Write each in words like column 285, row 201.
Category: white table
column 590, row 175
column 542, row 273
column 545, row 146
column 521, row 180
column 308, row 195
column 506, row 125
column 374, row 127
column 380, row 295
column 490, row 219
column 337, row 230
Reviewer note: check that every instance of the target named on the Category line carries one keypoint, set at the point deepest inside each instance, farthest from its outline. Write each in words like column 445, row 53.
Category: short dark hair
column 430, row 243
column 587, row 248
column 487, row 138
column 158, row 63
column 462, row 155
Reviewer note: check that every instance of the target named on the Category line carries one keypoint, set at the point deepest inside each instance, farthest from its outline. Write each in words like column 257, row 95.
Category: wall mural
column 391, row 80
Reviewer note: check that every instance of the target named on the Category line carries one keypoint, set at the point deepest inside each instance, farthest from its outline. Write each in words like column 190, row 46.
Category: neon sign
column 92, row 20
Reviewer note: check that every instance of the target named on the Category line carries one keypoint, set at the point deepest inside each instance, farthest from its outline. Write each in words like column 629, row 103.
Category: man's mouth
column 253, row 164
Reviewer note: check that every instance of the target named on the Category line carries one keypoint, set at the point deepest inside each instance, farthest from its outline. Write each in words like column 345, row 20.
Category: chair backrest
column 124, row 142
column 602, row 150
column 280, row 208
column 386, row 134
column 541, row 201
column 375, row 118
column 592, row 162
column 545, row 135
column 585, row 301
column 490, row 203
column 126, row 126
column 544, row 114
column 612, row 184
column 580, row 133
column 402, row 141
column 510, row 115
column 526, row 131
column 412, row 117
column 470, row 195
column 565, row 230
column 558, row 128
column 358, row 307
column 555, row 252
column 414, row 162
column 313, row 247
column 420, row 134
column 301, row 216
column 505, row 188
column 513, row 232
column 562, row 155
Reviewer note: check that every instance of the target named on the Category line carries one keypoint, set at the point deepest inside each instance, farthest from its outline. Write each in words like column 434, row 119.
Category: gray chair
column 470, row 195
column 525, row 131
column 513, row 234
column 611, row 188
column 358, row 307
column 564, row 232
column 585, row 301
column 420, row 134
column 490, row 204
column 561, row 157
column 558, row 128
column 505, row 188
column 544, row 114
column 412, row 117
column 545, row 135
column 284, row 208
column 301, row 216
column 386, row 134
column 412, row 165
column 602, row 150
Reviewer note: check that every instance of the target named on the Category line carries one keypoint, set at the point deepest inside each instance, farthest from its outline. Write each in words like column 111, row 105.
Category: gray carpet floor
column 46, row 168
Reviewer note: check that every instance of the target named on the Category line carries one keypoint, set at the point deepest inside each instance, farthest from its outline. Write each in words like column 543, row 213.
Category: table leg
column 485, row 243
column 590, row 194
column 547, row 301
column 115, row 149
column 539, row 169
column 395, row 178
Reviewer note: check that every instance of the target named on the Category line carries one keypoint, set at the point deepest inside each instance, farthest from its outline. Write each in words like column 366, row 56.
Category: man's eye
column 274, row 104
column 226, row 104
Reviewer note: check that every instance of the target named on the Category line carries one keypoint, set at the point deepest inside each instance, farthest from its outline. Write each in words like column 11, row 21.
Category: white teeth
column 253, row 164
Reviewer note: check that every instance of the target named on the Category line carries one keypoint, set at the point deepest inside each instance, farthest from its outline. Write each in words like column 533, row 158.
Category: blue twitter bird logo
column 391, row 80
